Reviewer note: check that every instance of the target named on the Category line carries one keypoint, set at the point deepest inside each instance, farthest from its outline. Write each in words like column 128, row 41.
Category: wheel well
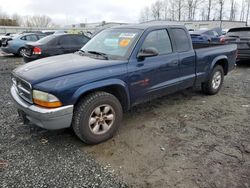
column 116, row 90
column 224, row 64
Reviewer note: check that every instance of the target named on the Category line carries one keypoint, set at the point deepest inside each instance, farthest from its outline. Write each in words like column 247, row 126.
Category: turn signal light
column 37, row 51
column 46, row 104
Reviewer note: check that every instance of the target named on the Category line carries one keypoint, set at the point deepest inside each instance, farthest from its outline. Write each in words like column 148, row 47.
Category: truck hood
column 57, row 66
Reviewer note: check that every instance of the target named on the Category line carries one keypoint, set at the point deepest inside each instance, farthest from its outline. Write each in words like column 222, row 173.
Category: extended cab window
column 159, row 40
column 181, row 39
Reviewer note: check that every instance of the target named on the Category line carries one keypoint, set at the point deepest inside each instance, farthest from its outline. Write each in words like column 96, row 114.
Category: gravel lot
column 182, row 140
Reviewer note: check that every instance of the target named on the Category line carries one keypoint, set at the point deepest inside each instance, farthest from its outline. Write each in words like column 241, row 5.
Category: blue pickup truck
column 117, row 69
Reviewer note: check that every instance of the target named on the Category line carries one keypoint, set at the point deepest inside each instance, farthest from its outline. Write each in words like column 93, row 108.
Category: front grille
column 23, row 88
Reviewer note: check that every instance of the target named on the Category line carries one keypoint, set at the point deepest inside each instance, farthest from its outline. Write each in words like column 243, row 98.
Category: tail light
column 37, row 51
column 222, row 40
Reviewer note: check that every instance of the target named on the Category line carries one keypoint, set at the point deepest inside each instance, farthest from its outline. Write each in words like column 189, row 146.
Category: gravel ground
column 183, row 140
column 32, row 157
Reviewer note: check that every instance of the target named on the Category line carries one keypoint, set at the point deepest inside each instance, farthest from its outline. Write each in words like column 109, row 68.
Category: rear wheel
column 21, row 52
column 216, row 78
column 97, row 117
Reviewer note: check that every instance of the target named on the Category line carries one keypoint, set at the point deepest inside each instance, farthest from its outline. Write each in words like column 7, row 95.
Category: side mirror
column 148, row 52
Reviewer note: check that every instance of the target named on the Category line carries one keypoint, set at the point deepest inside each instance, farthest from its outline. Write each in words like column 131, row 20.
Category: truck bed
column 207, row 55
column 201, row 45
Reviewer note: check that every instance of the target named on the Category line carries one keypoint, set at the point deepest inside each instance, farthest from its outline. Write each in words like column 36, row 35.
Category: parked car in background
column 241, row 37
column 16, row 45
column 205, row 36
column 54, row 45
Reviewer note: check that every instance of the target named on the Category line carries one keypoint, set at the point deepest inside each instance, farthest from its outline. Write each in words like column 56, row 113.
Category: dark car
column 241, row 37
column 54, row 45
column 205, row 36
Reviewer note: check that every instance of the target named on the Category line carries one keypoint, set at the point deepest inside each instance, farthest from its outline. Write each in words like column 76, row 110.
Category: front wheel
column 214, row 84
column 97, row 117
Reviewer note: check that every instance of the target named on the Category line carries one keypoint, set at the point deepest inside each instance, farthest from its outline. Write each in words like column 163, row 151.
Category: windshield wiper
column 81, row 52
column 99, row 53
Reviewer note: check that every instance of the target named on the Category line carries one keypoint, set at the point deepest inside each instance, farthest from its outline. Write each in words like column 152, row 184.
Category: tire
column 21, row 51
column 214, row 84
column 92, row 115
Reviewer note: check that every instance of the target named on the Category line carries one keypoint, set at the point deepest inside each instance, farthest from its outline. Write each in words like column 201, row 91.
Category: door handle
column 140, row 64
column 175, row 63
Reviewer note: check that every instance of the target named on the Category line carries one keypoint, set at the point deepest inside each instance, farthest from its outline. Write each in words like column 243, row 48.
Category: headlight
column 45, row 99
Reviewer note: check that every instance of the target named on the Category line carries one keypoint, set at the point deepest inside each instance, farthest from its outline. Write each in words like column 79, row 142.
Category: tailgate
column 242, row 43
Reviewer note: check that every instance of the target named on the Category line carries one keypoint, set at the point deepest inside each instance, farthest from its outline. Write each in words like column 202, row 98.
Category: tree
column 243, row 9
column 209, row 8
column 172, row 9
column 37, row 21
column 144, row 15
column 179, row 8
column 248, row 9
column 221, row 8
column 156, row 9
column 232, row 10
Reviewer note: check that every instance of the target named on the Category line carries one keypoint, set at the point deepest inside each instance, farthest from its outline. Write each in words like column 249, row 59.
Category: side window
column 210, row 33
column 23, row 38
column 80, row 40
column 215, row 34
column 66, row 41
column 182, row 40
column 31, row 38
column 40, row 36
column 159, row 40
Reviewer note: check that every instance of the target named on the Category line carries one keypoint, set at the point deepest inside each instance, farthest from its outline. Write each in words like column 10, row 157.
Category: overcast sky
column 66, row 12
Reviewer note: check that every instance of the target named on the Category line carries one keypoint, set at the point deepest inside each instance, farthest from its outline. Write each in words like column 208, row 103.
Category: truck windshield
column 114, row 43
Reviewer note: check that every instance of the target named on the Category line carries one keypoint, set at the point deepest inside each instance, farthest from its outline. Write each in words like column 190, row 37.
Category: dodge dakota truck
column 117, row 69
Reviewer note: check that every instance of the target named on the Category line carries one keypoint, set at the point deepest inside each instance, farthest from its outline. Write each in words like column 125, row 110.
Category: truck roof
column 145, row 26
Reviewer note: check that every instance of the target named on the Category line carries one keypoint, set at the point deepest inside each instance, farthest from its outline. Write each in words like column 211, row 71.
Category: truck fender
column 219, row 58
column 100, row 84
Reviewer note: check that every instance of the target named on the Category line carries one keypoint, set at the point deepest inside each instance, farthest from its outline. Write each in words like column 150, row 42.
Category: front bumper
column 51, row 119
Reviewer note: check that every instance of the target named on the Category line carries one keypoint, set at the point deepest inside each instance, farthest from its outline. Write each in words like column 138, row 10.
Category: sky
column 65, row 12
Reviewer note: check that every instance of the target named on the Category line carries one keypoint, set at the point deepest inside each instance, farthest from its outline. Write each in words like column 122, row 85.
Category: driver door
column 154, row 76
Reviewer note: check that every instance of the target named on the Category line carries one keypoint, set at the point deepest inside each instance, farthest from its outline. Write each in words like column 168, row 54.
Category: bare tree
column 195, row 6
column 243, row 9
column 248, row 9
column 209, row 8
column 17, row 18
column 37, row 21
column 232, row 10
column 203, row 14
column 179, row 4
column 221, row 8
column 172, row 9
column 166, row 9
column 156, row 9
column 144, row 15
